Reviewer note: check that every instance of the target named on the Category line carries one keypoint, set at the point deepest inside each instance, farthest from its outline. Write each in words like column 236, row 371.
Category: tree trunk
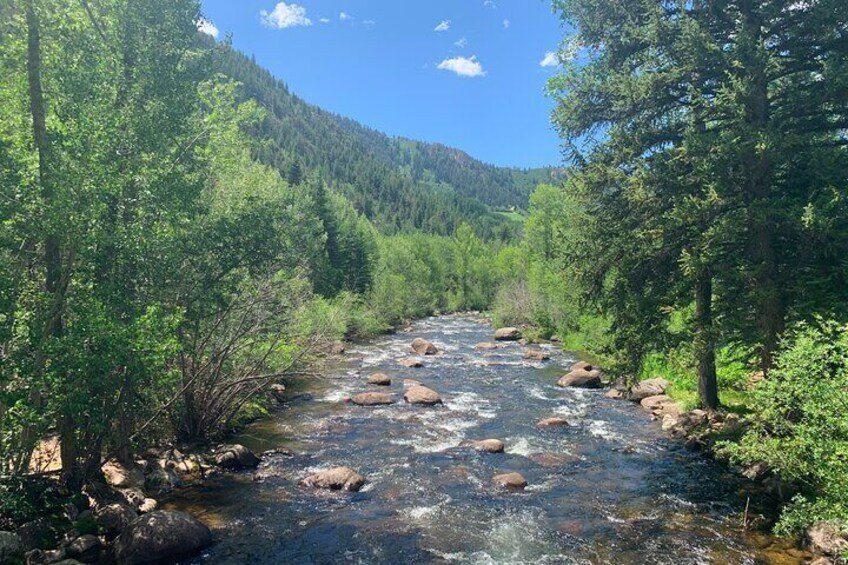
column 53, row 283
column 768, row 293
column 704, row 342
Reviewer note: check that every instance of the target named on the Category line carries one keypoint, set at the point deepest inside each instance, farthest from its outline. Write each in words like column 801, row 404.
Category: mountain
column 399, row 184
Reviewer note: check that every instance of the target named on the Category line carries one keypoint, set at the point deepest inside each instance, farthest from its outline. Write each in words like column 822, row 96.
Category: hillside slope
column 398, row 183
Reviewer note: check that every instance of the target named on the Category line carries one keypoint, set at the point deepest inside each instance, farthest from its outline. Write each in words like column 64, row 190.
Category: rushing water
column 609, row 489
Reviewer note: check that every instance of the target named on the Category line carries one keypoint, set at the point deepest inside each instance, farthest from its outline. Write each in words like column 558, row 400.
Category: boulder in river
column 235, row 456
column 278, row 391
column 114, row 518
column 649, row 387
column 553, row 422
column 507, row 334
column 11, row 548
column 535, row 354
column 337, row 478
column 581, row 379
column 411, row 363
column 420, row 394
column 486, row 346
column 614, row 393
column 489, row 446
column 583, row 366
column 510, row 480
column 373, row 399
column 421, row 346
column 380, row 379
column 122, row 476
column 161, row 536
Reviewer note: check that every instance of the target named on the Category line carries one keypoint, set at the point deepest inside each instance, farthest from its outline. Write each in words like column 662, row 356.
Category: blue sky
column 466, row 73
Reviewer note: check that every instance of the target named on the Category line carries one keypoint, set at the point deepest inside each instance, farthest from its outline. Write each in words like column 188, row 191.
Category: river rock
column 420, row 394
column 510, row 480
column 583, row 366
column 421, row 346
column 114, row 518
column 614, row 393
column 278, row 391
column 11, row 547
column 338, row 348
column 122, row 476
column 537, row 355
column 380, row 379
column 85, row 548
column 337, row 478
column 660, row 405
column 553, row 422
column 486, row 346
column 236, row 456
column 36, row 533
column 373, row 399
column 489, row 446
column 647, row 388
column 826, row 538
column 581, row 379
column 161, row 536
column 411, row 363
column 507, row 334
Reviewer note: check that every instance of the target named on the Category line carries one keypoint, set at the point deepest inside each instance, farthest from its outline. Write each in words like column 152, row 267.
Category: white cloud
column 443, row 26
column 549, row 60
column 506, row 24
column 344, row 16
column 369, row 22
column 489, row 4
column 207, row 27
column 285, row 15
column 324, row 20
column 463, row 66
column 461, row 42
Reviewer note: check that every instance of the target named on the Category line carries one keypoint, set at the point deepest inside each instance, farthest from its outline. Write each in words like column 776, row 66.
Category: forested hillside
column 399, row 184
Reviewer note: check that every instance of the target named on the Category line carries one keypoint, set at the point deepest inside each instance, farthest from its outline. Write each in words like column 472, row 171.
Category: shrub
column 799, row 424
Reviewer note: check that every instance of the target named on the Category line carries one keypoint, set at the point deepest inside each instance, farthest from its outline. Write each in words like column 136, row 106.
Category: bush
column 799, row 425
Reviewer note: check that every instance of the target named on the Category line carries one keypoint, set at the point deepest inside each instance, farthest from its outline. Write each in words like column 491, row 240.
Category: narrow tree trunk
column 704, row 343
column 53, row 284
column 768, row 293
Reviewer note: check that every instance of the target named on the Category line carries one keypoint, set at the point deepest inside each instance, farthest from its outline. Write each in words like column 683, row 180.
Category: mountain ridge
column 399, row 183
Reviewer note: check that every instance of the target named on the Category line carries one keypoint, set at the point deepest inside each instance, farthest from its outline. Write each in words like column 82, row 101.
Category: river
column 611, row 488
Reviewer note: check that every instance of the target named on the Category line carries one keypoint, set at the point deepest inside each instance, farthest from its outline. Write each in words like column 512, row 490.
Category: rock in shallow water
column 510, row 480
column 489, row 446
column 373, row 399
column 537, row 355
column 411, row 363
column 553, row 422
column 507, row 334
column 161, row 536
column 420, row 394
column 337, row 478
column 380, row 379
column 581, row 379
column 236, row 456
column 421, row 346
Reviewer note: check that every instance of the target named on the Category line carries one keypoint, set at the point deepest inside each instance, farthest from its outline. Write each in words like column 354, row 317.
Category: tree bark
column 705, row 343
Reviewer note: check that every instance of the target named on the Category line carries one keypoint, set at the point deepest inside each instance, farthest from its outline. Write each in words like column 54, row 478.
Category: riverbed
column 610, row 488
